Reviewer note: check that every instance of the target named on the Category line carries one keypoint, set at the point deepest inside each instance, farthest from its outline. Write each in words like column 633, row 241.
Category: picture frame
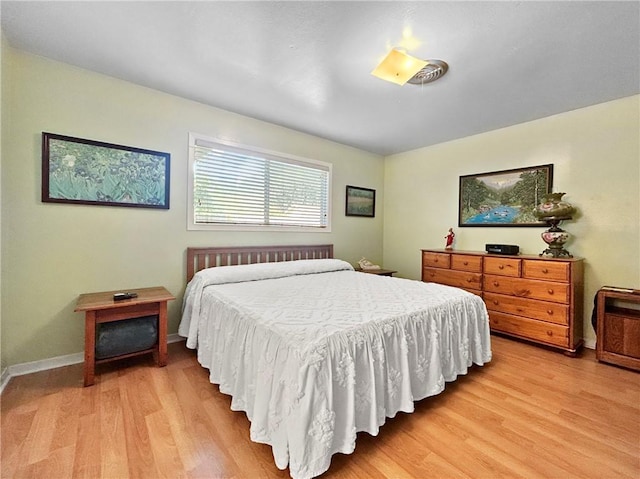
column 360, row 201
column 89, row 172
column 504, row 198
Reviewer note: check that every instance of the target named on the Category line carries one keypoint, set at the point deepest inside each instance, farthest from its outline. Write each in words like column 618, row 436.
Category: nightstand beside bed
column 100, row 308
column 379, row 272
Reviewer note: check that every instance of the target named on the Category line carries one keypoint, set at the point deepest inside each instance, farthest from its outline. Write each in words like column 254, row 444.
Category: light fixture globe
column 399, row 67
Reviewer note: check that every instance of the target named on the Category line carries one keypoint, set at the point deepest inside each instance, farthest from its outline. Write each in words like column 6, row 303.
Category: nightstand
column 379, row 272
column 149, row 306
column 618, row 327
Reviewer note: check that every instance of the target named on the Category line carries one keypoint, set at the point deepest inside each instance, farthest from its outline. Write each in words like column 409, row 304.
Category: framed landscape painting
column 504, row 198
column 75, row 170
column 360, row 201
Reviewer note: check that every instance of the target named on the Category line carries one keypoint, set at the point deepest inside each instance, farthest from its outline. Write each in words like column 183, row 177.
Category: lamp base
column 556, row 253
column 555, row 237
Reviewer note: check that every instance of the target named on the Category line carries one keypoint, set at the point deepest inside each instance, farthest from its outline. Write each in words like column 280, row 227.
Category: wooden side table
column 618, row 327
column 379, row 272
column 101, row 308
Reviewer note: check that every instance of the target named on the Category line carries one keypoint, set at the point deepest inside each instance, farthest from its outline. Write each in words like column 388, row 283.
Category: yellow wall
column 596, row 156
column 3, row 362
column 53, row 252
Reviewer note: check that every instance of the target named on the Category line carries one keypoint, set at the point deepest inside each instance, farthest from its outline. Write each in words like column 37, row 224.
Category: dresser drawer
column 530, row 329
column 542, row 310
column 502, row 266
column 463, row 262
column 526, row 288
column 436, row 260
column 546, row 270
column 459, row 279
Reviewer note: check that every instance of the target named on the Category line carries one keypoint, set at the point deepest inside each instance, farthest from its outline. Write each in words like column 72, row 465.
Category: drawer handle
column 435, row 260
column 496, row 302
column 495, row 283
column 432, row 274
column 519, row 310
column 545, row 270
column 465, row 263
column 522, row 292
column 549, row 312
column 469, row 280
column 550, row 291
column 501, row 266
column 549, row 333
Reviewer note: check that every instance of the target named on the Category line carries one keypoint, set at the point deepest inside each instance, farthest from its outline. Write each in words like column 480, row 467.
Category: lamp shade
column 398, row 67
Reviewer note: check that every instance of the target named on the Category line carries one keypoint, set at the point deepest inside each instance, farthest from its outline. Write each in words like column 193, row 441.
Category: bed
column 314, row 352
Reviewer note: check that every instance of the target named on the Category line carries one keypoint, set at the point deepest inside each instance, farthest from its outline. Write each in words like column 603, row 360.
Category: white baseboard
column 4, row 379
column 52, row 363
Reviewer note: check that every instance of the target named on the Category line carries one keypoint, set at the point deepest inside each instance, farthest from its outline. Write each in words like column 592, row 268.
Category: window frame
column 193, row 226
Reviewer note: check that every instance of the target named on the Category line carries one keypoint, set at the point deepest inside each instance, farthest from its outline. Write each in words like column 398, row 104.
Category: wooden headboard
column 201, row 258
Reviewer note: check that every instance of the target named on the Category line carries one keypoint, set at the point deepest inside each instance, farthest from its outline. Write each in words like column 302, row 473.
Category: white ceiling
column 306, row 65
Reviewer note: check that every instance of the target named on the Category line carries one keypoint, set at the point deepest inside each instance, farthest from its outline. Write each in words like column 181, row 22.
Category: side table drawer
column 127, row 312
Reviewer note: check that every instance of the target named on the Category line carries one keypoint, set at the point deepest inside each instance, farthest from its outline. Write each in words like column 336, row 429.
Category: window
column 237, row 187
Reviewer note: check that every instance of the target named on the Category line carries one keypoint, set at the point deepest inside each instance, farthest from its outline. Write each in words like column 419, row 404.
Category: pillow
column 258, row 271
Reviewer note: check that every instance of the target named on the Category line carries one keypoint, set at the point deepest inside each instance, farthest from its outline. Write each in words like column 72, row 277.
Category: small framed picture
column 360, row 202
column 88, row 172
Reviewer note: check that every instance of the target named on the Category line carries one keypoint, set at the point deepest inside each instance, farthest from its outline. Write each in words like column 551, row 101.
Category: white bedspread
column 314, row 358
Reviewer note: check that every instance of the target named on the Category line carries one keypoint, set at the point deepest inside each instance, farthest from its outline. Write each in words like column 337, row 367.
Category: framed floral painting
column 88, row 172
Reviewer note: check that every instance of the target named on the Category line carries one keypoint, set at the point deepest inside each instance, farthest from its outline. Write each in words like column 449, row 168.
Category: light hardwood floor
column 530, row 413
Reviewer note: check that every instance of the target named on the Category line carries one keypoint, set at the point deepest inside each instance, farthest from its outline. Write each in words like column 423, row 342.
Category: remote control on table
column 122, row 296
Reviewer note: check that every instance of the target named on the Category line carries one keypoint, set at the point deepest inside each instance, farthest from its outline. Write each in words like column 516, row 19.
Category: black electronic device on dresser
column 502, row 249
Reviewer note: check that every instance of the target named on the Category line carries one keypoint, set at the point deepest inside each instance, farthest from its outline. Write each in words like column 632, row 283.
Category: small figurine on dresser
column 449, row 238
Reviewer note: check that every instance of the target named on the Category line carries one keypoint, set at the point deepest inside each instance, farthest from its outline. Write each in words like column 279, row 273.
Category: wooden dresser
column 531, row 297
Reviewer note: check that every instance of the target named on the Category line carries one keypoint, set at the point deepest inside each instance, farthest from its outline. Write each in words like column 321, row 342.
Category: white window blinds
column 234, row 185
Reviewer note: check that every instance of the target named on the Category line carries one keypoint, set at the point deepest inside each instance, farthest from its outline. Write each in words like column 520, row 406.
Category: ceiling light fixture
column 398, row 67
column 433, row 70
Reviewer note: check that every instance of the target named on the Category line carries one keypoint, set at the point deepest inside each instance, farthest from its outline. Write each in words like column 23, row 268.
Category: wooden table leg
column 162, row 334
column 89, row 347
